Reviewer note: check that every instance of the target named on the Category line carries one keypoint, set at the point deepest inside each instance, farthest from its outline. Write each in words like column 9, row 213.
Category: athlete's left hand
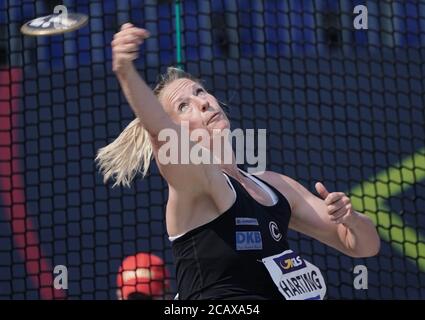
column 340, row 209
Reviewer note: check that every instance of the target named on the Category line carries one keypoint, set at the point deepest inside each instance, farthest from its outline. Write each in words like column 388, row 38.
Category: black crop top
column 222, row 258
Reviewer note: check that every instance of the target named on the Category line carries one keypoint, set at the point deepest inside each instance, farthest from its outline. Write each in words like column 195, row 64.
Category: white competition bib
column 296, row 279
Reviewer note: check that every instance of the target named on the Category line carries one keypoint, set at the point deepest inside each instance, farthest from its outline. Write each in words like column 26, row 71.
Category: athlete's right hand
column 125, row 46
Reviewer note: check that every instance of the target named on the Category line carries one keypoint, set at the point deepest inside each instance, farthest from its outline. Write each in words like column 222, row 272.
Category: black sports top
column 222, row 258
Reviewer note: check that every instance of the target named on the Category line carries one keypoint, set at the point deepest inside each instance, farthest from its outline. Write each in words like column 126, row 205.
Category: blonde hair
column 131, row 152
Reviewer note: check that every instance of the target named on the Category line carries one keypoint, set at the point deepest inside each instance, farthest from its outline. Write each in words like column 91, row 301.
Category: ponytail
column 126, row 156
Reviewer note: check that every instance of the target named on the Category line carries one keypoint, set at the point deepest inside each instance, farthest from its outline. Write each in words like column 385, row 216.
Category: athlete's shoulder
column 276, row 179
column 284, row 184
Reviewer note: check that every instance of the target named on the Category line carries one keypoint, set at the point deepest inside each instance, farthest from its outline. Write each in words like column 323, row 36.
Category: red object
column 12, row 188
column 143, row 273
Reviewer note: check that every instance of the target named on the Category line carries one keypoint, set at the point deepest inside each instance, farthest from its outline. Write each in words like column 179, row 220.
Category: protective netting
column 340, row 105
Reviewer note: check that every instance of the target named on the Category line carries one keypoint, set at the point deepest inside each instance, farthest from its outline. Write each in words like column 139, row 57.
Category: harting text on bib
column 296, row 279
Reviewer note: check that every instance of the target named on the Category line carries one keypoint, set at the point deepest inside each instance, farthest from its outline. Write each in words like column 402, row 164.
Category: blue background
column 339, row 104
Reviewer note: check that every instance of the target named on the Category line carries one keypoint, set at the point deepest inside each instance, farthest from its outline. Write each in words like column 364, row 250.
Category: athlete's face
column 186, row 100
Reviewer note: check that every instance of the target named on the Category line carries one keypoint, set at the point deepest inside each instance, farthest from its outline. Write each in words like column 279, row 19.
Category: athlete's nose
column 203, row 104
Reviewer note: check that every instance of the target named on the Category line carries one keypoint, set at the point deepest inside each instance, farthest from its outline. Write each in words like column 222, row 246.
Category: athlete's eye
column 183, row 107
column 200, row 91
